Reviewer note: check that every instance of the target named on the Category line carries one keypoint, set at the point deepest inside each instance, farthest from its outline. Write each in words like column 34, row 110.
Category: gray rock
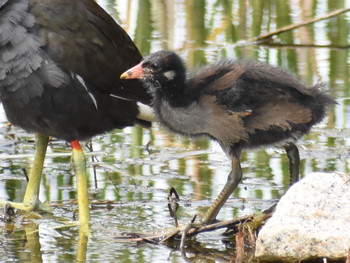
column 312, row 220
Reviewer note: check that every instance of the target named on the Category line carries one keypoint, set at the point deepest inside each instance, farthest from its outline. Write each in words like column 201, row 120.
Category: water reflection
column 132, row 180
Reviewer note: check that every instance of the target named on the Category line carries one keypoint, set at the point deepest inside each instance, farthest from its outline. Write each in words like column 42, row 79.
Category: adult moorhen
column 58, row 61
column 240, row 104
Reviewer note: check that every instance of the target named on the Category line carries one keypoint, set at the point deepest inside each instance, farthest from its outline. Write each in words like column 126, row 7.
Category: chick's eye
column 151, row 66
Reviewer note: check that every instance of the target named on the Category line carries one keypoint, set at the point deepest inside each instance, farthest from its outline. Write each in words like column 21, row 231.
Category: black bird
column 240, row 104
column 58, row 62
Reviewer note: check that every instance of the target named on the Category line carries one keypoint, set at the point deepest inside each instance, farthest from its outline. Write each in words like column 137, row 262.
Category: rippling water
column 129, row 182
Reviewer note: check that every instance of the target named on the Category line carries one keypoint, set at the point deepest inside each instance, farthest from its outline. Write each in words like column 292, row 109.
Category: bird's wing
column 21, row 59
column 84, row 40
column 224, row 125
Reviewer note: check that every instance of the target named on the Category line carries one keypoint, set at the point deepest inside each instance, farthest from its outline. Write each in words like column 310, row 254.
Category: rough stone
column 312, row 220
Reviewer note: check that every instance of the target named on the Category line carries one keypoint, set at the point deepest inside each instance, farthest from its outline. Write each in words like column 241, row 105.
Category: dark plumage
column 58, row 62
column 57, row 68
column 241, row 104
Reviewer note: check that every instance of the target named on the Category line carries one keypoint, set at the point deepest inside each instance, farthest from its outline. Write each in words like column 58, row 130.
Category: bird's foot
column 29, row 208
column 186, row 231
column 189, row 229
column 21, row 206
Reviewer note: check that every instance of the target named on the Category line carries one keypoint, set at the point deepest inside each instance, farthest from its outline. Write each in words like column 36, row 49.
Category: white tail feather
column 146, row 113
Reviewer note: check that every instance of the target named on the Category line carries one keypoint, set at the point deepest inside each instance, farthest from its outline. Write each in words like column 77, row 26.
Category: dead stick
column 294, row 26
column 223, row 224
column 279, row 45
column 161, row 238
column 133, row 237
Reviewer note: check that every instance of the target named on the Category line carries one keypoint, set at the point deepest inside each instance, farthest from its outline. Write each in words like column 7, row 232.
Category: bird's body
column 57, row 68
column 58, row 60
column 241, row 104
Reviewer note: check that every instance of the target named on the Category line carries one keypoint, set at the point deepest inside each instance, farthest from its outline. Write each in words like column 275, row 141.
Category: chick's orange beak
column 133, row 73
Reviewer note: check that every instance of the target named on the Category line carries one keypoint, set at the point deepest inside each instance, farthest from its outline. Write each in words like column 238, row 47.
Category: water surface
column 129, row 182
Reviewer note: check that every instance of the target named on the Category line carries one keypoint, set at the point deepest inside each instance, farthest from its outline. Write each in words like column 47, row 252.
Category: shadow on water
column 129, row 182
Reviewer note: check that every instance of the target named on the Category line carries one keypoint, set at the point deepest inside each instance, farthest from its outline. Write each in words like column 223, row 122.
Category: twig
column 240, row 245
column 297, row 25
column 173, row 206
column 93, row 159
column 313, row 46
column 162, row 238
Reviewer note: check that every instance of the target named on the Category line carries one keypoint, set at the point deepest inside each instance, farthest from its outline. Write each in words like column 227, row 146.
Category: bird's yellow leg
column 31, row 197
column 233, row 180
column 79, row 164
column 33, row 187
column 82, row 244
